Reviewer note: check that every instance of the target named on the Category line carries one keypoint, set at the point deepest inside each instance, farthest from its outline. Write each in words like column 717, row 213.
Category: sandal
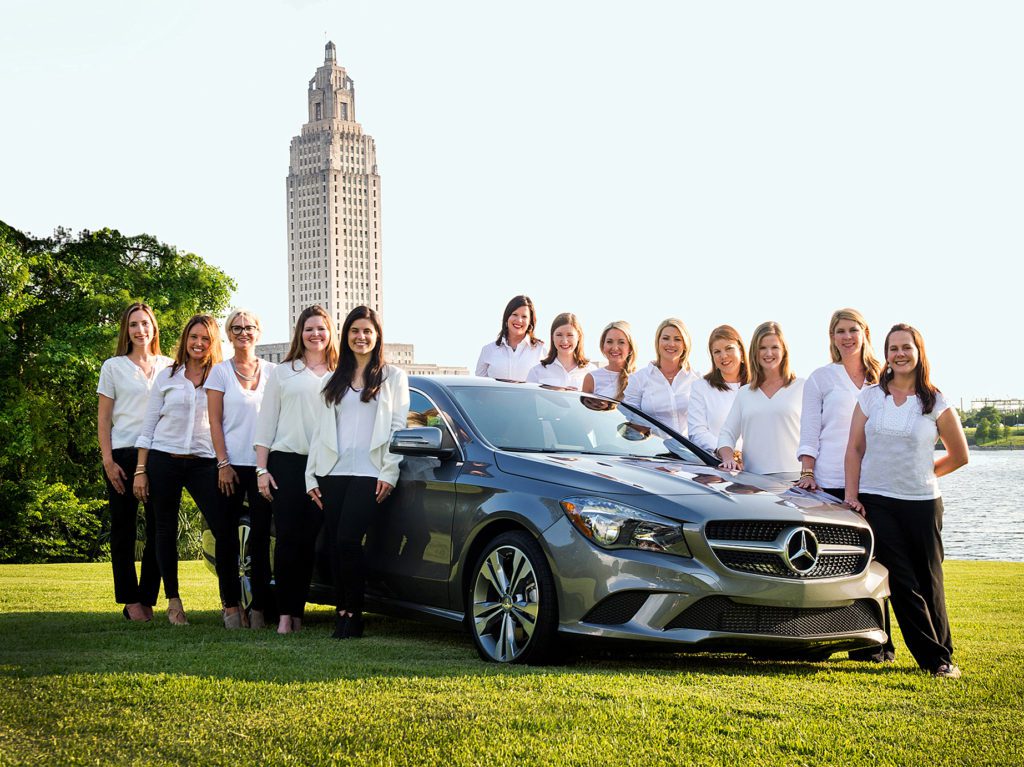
column 233, row 620
column 175, row 612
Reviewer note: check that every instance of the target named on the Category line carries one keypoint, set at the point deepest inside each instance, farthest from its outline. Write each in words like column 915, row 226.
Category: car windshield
column 534, row 419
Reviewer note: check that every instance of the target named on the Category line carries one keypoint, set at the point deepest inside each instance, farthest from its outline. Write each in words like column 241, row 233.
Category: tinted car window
column 533, row 419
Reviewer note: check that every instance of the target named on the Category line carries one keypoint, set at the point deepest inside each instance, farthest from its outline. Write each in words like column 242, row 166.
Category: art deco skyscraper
column 334, row 248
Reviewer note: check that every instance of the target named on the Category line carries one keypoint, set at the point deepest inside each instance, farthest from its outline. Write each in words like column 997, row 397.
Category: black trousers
column 124, row 514
column 297, row 521
column 167, row 477
column 232, row 508
column 349, row 505
column 908, row 541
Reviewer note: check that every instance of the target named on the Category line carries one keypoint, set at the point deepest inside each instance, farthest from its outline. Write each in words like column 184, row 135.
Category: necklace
column 253, row 377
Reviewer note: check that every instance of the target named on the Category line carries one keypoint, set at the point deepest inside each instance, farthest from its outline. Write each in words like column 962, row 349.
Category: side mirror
column 421, row 441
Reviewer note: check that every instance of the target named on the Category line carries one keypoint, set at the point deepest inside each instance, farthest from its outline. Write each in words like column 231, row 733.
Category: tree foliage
column 60, row 303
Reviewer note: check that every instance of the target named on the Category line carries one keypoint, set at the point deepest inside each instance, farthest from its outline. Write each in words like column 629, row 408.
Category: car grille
column 720, row 613
column 758, row 547
column 616, row 609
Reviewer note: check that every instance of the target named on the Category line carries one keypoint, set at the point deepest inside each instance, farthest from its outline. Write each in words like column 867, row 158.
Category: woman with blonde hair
column 662, row 389
column 235, row 394
column 175, row 448
column 124, row 385
column 618, row 348
column 766, row 413
column 283, row 430
column 513, row 354
column 713, row 395
column 565, row 364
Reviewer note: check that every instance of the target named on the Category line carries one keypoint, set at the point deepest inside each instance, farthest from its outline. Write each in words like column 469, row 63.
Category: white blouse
column 502, row 361
column 650, row 392
column 829, row 399
column 899, row 451
column 606, row 382
column 707, row 412
column 288, row 412
column 241, row 409
column 769, row 426
column 355, row 420
column 177, row 420
column 124, row 382
column 556, row 375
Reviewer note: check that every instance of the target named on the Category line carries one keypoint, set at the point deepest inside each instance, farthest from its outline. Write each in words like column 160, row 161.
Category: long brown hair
column 213, row 356
column 341, row 380
column 515, row 303
column 297, row 349
column 922, row 373
column 757, row 376
column 872, row 367
column 672, row 322
column 714, row 376
column 629, row 366
column 567, row 318
column 124, row 340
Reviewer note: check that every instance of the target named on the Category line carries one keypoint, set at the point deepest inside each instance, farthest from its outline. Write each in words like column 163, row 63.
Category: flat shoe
column 257, row 620
column 233, row 620
column 946, row 671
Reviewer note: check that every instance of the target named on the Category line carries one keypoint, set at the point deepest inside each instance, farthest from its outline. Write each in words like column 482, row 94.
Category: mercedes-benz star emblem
column 801, row 550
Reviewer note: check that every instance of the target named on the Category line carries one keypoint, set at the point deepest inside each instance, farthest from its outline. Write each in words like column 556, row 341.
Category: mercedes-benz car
column 535, row 516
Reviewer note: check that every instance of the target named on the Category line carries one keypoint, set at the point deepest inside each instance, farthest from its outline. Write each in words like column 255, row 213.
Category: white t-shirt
column 177, row 420
column 899, row 452
column 241, row 408
column 355, row 420
column 502, row 361
column 650, row 392
column 606, row 382
column 769, row 426
column 829, row 399
column 556, row 375
column 707, row 412
column 124, row 382
column 288, row 412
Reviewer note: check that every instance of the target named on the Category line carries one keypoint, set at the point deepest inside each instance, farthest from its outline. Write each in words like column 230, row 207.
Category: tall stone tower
column 334, row 248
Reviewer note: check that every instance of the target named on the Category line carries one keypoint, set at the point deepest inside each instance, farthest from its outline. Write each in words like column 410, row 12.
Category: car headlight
column 614, row 525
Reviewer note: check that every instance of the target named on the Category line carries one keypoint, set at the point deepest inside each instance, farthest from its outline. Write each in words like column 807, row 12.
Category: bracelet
column 261, row 471
column 224, row 463
column 140, row 470
column 806, row 473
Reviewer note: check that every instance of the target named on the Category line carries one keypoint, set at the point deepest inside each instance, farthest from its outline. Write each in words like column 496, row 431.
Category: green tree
column 60, row 303
column 981, row 433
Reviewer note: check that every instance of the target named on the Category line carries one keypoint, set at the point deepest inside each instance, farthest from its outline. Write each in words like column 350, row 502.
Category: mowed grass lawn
column 80, row 685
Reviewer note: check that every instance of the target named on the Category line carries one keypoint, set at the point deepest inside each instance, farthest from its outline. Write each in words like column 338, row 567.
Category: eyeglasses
column 239, row 329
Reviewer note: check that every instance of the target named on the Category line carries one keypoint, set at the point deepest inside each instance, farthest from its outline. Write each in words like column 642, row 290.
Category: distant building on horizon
column 334, row 213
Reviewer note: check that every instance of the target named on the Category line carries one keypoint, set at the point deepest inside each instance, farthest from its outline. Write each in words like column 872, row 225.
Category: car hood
column 704, row 489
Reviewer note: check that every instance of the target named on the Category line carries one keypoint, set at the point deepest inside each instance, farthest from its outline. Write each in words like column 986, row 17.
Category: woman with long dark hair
column 516, row 350
column 175, row 449
column 892, row 478
column 283, row 429
column 712, row 396
column 350, row 470
column 124, row 385
column 618, row 348
column 235, row 394
column 565, row 365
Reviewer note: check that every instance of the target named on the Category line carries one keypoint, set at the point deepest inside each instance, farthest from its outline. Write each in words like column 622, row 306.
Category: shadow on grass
column 49, row 643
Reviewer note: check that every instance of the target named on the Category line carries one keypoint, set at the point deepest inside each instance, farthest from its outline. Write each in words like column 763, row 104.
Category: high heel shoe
column 136, row 616
column 340, row 626
column 175, row 612
column 257, row 619
column 233, row 620
column 355, row 626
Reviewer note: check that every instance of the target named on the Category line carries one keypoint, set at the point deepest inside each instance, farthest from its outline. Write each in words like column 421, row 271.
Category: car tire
column 511, row 603
column 244, row 557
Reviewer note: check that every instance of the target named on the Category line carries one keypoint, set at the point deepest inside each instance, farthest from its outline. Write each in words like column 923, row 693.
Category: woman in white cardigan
column 350, row 470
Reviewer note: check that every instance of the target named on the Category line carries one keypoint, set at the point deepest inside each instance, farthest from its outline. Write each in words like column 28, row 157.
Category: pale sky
column 720, row 162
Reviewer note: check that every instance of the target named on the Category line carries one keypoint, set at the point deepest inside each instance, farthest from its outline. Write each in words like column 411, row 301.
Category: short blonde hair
column 236, row 313
column 757, row 376
column 672, row 322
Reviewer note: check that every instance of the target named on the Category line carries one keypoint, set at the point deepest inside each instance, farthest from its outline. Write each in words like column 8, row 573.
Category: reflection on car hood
column 629, row 476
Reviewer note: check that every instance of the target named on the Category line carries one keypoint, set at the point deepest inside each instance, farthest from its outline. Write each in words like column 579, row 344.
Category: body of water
column 984, row 507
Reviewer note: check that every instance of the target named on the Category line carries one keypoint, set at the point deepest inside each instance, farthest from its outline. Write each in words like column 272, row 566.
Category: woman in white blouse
column 565, row 364
column 830, row 395
column 125, row 381
column 175, row 449
column 618, row 348
column 766, row 413
column 892, row 473
column 662, row 389
column 283, row 428
column 350, row 470
column 234, row 393
column 517, row 349
column 713, row 395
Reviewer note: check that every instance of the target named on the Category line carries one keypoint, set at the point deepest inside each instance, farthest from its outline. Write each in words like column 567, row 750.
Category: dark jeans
column 167, row 477
column 124, row 515
column 232, row 508
column 349, row 505
column 297, row 521
column 908, row 541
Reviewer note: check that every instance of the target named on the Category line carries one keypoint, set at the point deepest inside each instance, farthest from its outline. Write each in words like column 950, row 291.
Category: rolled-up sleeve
column 810, row 419
column 154, row 404
column 697, row 420
column 730, row 433
column 270, row 412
